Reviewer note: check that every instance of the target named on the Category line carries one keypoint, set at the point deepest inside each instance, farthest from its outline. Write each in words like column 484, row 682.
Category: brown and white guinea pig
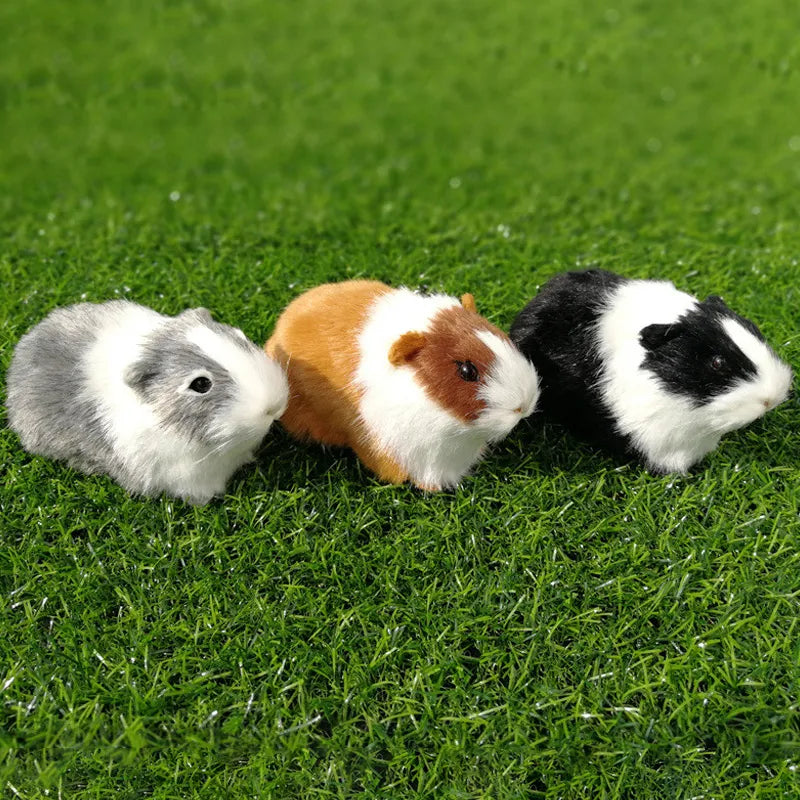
column 416, row 385
column 646, row 370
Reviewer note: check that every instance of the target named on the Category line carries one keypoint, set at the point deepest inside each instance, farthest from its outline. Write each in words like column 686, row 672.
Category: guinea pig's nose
column 518, row 410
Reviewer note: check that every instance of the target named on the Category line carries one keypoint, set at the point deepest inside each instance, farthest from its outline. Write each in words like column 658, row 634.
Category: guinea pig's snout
column 527, row 408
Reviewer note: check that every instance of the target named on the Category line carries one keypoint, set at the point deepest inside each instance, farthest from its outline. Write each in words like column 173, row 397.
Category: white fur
column 431, row 444
column 751, row 399
column 127, row 421
column 668, row 429
column 511, row 389
column 158, row 459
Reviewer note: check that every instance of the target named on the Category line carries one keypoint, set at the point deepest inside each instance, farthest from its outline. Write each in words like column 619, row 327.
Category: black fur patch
column 695, row 357
column 556, row 331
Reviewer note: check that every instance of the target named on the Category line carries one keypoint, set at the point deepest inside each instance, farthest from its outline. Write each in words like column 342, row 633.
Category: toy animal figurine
column 161, row 404
column 417, row 385
column 644, row 369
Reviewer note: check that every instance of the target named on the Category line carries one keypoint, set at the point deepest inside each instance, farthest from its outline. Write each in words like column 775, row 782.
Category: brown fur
column 406, row 348
column 315, row 340
column 452, row 338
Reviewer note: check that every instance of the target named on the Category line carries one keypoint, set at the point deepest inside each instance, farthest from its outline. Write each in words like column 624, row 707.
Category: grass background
column 560, row 626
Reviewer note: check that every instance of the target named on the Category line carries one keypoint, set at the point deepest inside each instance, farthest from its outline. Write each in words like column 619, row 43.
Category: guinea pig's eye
column 467, row 371
column 200, row 385
column 717, row 362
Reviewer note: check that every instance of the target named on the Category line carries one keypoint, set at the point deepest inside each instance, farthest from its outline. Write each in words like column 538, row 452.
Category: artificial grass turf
column 560, row 626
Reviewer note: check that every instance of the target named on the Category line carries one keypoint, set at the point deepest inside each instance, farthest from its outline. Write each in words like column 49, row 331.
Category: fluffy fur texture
column 416, row 385
column 108, row 389
column 646, row 370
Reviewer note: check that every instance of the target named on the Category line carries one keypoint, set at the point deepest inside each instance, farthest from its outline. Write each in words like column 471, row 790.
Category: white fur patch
column 774, row 376
column 752, row 398
column 434, row 447
column 511, row 389
column 118, row 344
column 431, row 444
column 150, row 453
column 670, row 430
column 664, row 427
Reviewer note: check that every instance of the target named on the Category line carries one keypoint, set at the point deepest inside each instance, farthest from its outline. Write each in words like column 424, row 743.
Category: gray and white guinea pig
column 160, row 404
column 417, row 385
column 644, row 369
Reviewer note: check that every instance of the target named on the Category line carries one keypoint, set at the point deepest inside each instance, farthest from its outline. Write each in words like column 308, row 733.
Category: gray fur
column 48, row 405
column 167, row 364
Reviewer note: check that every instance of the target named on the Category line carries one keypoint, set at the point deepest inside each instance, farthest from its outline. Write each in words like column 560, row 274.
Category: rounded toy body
column 416, row 385
column 160, row 404
column 644, row 369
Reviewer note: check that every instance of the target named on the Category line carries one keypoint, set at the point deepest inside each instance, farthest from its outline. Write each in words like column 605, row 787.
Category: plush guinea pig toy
column 644, row 369
column 416, row 385
column 161, row 404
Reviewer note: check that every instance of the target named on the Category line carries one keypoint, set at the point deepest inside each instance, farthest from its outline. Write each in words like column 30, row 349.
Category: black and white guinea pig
column 644, row 369
column 161, row 404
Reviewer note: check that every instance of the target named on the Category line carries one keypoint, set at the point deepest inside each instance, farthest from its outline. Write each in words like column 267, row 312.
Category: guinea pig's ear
column 654, row 336
column 139, row 375
column 468, row 301
column 202, row 315
column 405, row 348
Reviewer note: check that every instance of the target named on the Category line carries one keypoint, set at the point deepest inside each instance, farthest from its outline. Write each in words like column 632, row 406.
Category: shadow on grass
column 764, row 443
column 553, row 449
column 533, row 448
column 286, row 462
column 536, row 448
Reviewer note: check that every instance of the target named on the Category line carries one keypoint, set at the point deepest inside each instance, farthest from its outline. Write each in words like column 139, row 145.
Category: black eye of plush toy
column 200, row 385
column 717, row 362
column 467, row 371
